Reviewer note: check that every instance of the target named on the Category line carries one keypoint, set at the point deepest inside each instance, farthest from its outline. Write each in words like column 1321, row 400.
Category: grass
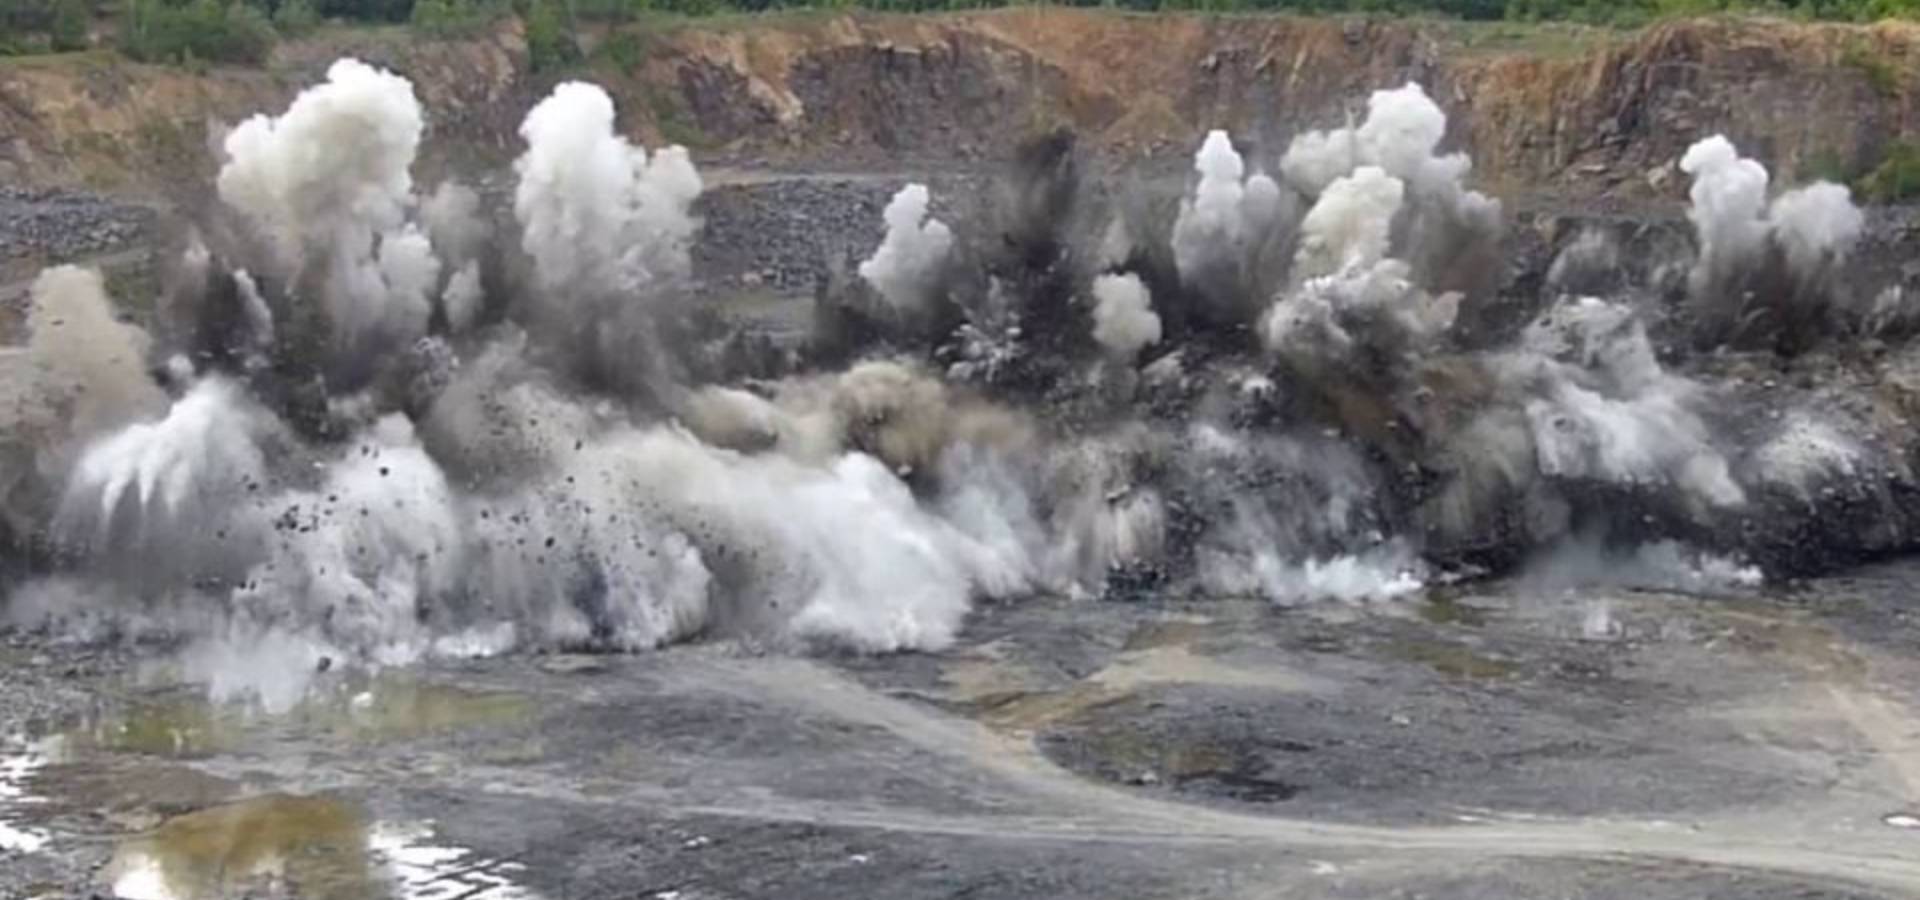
column 1555, row 40
column 95, row 57
column 1878, row 71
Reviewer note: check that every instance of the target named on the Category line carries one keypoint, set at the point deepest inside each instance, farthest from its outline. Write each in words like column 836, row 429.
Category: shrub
column 366, row 10
column 453, row 18
column 550, row 43
column 1897, row 177
column 199, row 30
column 624, row 49
column 69, row 27
column 295, row 17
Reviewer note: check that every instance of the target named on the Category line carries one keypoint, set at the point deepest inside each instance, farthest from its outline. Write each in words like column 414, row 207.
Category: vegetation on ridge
column 244, row 30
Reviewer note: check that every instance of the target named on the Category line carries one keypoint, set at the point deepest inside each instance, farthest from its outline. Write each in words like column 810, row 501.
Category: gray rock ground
column 1500, row 742
column 57, row 225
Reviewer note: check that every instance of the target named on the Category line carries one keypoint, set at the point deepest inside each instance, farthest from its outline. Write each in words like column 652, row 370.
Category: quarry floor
column 1498, row 740
column 1493, row 741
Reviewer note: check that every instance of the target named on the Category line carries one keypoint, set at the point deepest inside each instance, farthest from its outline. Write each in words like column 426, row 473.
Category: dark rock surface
column 53, row 225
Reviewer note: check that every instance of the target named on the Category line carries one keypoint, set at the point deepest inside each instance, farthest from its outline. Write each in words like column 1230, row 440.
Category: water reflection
column 19, row 762
column 186, row 724
column 319, row 847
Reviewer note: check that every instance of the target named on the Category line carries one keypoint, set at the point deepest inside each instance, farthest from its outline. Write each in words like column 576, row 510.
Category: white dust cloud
column 909, row 265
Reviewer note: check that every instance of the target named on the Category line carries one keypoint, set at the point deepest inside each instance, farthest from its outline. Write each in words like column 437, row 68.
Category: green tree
column 550, row 43
column 295, row 17
column 69, row 28
column 431, row 17
column 199, row 30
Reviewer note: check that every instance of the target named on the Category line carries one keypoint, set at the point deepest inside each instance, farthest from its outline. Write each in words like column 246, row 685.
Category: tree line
column 244, row 31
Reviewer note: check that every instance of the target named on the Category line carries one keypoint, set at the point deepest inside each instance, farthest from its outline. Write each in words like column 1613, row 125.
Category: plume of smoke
column 459, row 234
column 1400, row 134
column 1588, row 266
column 1316, row 159
column 329, row 182
column 1230, row 219
column 1764, row 272
column 581, row 557
column 1816, row 227
column 259, row 316
column 888, row 409
column 1584, row 561
column 1613, row 413
column 989, row 494
column 1448, row 233
column 454, row 222
column 1123, row 318
column 90, row 363
column 463, row 296
column 1291, row 519
column 1892, row 313
column 1352, row 299
column 1603, row 409
column 1388, row 573
column 166, row 498
column 499, row 421
column 385, row 299
column 1729, row 195
column 336, row 162
column 1349, row 226
column 608, row 227
column 366, row 557
column 599, row 215
column 869, row 508
column 1578, row 426
column 845, row 552
column 1803, row 455
column 1104, row 519
column 909, row 267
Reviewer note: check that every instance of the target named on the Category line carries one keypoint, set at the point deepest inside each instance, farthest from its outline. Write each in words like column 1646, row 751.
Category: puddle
column 186, row 724
column 172, row 727
column 1216, row 768
column 317, row 847
column 1442, row 608
column 93, row 759
column 1169, row 632
column 1451, row 660
column 398, row 708
column 19, row 762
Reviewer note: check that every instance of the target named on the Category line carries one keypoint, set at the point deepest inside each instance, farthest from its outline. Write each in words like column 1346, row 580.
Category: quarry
column 1034, row 452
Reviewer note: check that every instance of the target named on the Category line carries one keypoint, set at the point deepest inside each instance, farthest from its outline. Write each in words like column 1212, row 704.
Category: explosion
column 385, row 425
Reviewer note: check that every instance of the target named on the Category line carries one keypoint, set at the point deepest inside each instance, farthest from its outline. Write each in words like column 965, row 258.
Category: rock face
column 1578, row 112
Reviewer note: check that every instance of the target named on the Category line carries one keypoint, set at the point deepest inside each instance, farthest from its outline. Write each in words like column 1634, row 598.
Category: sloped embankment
column 1575, row 111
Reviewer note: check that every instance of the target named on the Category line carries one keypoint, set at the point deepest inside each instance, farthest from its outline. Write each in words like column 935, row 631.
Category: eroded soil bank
column 1564, row 110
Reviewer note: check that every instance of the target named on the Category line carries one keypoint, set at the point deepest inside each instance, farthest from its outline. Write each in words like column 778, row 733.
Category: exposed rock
column 859, row 92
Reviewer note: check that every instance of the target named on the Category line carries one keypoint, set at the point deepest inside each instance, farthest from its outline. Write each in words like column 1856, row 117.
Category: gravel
column 784, row 235
column 55, row 224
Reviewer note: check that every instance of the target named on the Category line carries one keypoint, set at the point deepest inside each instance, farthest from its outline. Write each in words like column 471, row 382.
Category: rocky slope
column 1568, row 111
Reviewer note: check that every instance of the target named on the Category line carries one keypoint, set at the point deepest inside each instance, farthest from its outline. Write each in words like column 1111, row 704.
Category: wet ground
column 1478, row 743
